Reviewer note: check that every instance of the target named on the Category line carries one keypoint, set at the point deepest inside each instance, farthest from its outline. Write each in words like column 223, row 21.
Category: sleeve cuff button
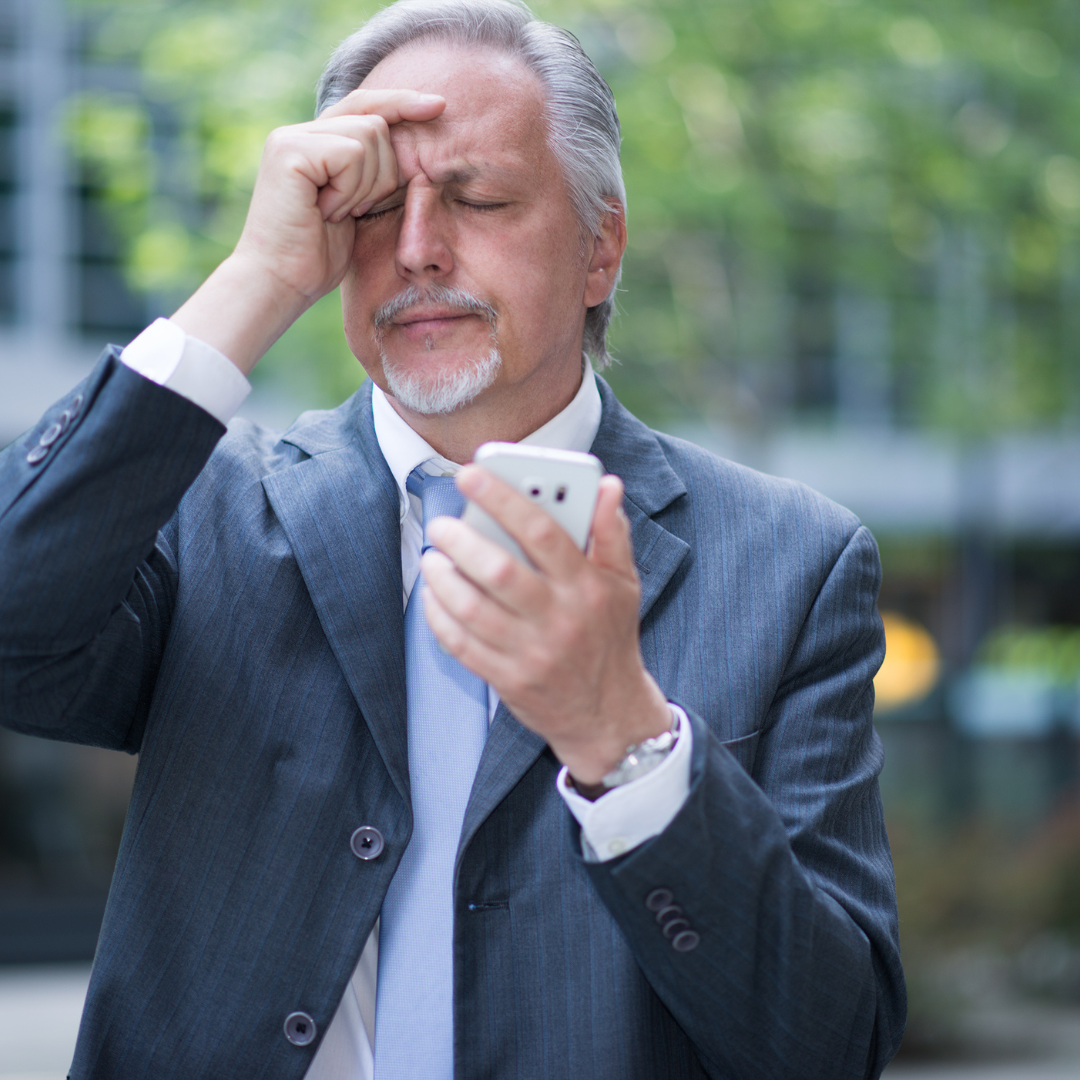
column 686, row 941
column 51, row 434
column 659, row 898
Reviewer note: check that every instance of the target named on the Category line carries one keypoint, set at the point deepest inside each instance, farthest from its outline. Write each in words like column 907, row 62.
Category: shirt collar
column 574, row 428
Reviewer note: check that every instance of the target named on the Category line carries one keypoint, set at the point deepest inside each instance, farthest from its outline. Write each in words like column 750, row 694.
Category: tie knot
column 438, row 496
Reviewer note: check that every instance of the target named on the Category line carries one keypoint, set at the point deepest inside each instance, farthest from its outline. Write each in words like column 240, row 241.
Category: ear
column 608, row 246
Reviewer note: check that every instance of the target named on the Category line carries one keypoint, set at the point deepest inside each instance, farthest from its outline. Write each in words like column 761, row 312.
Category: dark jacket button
column 38, row 454
column 75, row 405
column 367, row 843
column 686, row 941
column 300, row 1029
column 51, row 434
column 659, row 898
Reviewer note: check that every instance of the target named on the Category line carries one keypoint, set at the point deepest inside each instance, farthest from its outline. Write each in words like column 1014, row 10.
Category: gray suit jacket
column 230, row 609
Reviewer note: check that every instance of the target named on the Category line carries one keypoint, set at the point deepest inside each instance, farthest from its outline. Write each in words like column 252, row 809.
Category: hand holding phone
column 558, row 641
column 563, row 483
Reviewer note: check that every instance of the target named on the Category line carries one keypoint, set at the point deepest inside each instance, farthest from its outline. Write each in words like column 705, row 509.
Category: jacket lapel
column 509, row 753
column 339, row 510
column 631, row 451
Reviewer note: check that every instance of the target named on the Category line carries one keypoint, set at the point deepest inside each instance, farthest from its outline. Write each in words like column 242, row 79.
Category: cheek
column 550, row 279
column 353, row 314
column 356, row 312
column 372, row 261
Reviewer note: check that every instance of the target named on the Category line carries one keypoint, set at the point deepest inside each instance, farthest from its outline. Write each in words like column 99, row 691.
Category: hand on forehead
column 493, row 115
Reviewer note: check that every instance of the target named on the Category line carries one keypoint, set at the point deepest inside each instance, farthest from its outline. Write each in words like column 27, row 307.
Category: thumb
column 610, row 545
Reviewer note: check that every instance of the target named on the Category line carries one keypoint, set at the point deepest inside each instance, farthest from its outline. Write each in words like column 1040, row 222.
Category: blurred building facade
column 62, row 295
column 62, row 290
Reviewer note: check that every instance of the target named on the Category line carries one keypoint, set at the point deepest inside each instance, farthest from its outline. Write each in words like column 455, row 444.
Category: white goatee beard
column 445, row 391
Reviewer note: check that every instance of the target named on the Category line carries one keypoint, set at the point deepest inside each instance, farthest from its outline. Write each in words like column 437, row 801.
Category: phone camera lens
column 535, row 488
column 560, row 493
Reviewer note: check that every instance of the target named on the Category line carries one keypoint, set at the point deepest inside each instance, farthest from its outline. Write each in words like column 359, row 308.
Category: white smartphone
column 562, row 482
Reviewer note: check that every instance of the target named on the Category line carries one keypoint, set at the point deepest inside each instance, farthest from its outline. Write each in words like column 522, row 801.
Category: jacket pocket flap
column 744, row 750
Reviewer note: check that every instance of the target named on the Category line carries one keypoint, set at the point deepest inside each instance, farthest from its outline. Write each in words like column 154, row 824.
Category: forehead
column 494, row 116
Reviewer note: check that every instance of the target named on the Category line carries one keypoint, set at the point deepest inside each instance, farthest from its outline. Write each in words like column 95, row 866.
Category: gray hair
column 583, row 125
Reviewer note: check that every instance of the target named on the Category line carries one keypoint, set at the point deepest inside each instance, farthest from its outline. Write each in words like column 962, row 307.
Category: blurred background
column 854, row 260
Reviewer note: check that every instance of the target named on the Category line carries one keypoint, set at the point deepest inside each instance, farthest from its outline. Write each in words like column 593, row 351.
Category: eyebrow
column 459, row 174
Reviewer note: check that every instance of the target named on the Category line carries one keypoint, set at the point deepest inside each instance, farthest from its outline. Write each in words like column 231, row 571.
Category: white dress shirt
column 611, row 826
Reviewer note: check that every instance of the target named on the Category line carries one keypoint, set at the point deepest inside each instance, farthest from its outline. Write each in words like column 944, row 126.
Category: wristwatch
column 643, row 757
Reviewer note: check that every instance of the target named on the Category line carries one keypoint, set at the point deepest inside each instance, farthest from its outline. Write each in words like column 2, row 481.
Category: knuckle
column 278, row 136
column 469, row 608
column 384, row 187
column 502, row 570
column 543, row 662
column 378, row 124
column 541, row 530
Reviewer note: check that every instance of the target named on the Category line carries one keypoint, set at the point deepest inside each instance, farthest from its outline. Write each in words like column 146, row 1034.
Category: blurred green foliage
column 1051, row 650
column 911, row 168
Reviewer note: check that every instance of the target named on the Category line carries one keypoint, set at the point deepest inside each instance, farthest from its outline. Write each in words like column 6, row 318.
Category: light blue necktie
column 448, row 724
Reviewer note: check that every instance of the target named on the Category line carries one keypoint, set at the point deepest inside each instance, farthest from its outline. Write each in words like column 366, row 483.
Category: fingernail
column 363, row 208
column 430, row 97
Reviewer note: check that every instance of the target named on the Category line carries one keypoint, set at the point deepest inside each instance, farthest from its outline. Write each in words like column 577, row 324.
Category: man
column 386, row 822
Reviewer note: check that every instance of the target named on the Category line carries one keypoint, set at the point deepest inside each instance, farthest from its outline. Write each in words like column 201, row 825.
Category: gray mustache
column 456, row 299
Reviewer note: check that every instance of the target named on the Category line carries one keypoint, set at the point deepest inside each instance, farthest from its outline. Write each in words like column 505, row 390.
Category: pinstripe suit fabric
column 245, row 638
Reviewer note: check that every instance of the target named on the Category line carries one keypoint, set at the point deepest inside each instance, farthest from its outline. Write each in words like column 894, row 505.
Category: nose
column 423, row 243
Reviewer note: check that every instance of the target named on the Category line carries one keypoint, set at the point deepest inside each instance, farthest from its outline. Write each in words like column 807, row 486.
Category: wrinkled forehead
column 494, row 109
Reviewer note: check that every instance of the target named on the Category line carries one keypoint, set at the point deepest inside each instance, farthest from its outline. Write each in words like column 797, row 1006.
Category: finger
column 332, row 162
column 352, row 185
column 540, row 536
column 463, row 646
column 387, row 179
column 610, row 541
column 492, row 569
column 393, row 106
column 358, row 193
column 378, row 177
column 481, row 615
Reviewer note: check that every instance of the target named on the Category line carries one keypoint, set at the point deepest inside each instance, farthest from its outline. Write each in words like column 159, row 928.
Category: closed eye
column 482, row 206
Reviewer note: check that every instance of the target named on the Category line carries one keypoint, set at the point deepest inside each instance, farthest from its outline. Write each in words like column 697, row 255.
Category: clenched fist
column 314, row 181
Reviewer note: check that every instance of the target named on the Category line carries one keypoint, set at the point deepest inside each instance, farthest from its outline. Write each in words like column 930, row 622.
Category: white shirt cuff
column 629, row 815
column 164, row 354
